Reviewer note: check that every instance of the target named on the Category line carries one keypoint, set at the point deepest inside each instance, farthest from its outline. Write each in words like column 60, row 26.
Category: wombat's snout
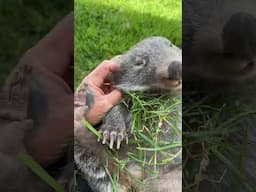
column 175, row 71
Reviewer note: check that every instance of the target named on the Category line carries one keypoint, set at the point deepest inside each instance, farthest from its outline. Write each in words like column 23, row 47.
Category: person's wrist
column 95, row 114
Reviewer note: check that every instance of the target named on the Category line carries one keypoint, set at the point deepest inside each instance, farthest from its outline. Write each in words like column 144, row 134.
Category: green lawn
column 107, row 28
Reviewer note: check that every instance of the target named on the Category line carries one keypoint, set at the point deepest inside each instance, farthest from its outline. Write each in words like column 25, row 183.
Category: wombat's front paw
column 114, row 135
column 115, row 126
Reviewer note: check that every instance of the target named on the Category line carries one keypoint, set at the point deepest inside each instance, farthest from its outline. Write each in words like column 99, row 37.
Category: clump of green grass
column 148, row 116
column 153, row 146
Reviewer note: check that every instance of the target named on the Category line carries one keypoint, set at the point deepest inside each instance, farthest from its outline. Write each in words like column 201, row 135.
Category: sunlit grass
column 104, row 29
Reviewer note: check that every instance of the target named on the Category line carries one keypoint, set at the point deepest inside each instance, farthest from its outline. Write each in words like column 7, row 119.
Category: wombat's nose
column 239, row 35
column 175, row 70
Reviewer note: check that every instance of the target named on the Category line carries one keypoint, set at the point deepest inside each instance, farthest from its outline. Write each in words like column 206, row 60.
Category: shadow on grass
column 102, row 32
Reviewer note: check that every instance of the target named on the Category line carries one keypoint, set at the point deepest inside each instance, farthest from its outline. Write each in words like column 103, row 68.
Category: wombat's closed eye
column 141, row 60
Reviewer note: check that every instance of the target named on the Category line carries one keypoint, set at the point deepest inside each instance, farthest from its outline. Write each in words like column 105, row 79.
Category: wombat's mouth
column 164, row 87
column 132, row 88
column 171, row 83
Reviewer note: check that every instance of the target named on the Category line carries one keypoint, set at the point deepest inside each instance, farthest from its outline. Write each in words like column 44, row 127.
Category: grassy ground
column 107, row 28
column 23, row 23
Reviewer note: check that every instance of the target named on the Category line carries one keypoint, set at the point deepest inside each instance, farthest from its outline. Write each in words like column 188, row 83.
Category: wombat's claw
column 105, row 136
column 113, row 137
column 120, row 138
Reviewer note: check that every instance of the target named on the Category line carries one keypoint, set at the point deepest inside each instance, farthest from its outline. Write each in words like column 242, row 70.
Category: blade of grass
column 92, row 129
column 39, row 171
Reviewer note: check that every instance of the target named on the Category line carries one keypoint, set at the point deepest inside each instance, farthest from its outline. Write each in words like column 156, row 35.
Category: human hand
column 98, row 93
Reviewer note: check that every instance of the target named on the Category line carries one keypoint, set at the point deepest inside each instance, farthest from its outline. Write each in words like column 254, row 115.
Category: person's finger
column 55, row 50
column 114, row 97
column 100, row 73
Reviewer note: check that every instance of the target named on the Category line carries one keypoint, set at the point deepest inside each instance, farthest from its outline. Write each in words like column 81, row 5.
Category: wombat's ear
column 168, row 42
column 141, row 60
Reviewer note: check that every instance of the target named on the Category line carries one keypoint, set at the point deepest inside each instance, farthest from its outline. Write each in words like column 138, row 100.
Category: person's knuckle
column 27, row 56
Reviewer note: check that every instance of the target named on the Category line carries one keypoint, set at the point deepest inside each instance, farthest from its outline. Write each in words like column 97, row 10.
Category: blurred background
column 23, row 23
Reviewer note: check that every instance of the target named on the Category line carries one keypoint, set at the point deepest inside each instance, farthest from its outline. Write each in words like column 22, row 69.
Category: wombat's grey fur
column 219, row 58
column 153, row 66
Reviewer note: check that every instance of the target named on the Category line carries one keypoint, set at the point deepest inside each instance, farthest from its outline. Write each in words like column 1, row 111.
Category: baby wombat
column 153, row 66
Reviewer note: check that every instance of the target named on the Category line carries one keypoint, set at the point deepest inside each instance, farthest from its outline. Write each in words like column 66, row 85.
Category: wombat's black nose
column 175, row 70
column 239, row 35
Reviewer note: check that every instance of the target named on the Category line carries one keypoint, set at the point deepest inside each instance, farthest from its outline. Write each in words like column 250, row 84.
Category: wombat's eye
column 141, row 60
